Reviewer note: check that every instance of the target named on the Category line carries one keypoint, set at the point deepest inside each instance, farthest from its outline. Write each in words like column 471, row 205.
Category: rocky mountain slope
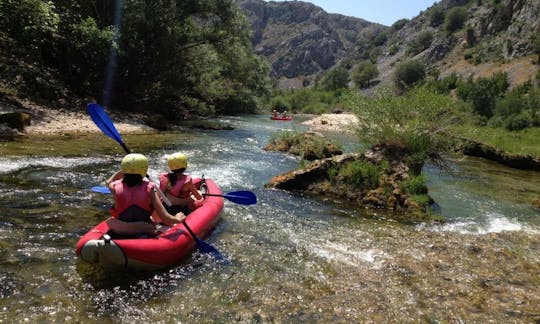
column 301, row 41
column 495, row 36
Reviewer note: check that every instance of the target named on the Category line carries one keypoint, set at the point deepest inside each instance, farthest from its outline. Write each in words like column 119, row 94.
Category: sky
column 384, row 12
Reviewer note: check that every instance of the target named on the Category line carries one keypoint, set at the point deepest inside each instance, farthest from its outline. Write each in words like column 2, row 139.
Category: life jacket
column 176, row 190
column 132, row 204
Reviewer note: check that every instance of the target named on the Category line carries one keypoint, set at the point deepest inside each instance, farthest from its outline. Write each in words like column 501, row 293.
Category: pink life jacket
column 126, row 199
column 175, row 190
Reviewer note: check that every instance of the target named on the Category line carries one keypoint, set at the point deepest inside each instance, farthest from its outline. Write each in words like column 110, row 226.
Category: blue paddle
column 104, row 123
column 240, row 197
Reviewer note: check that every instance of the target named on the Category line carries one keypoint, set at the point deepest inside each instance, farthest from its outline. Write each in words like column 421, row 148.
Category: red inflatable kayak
column 280, row 118
column 99, row 247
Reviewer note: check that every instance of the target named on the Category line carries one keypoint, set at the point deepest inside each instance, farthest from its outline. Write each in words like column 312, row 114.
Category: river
column 293, row 258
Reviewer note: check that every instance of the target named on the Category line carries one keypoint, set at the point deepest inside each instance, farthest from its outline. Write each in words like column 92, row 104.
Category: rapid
column 293, row 258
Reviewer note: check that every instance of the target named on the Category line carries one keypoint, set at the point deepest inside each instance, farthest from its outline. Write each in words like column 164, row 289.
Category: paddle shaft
column 105, row 124
column 238, row 197
column 213, row 195
column 190, row 231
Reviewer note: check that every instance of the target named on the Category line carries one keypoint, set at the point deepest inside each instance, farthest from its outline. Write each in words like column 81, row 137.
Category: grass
column 525, row 142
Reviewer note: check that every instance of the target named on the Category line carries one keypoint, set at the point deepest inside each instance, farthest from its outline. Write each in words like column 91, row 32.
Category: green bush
column 415, row 123
column 361, row 174
column 420, row 43
column 415, row 186
column 483, row 93
column 306, row 100
column 335, row 79
column 279, row 103
column 455, row 19
column 472, row 56
column 316, row 108
column 444, row 85
column 408, row 74
column 436, row 15
column 363, row 73
column 30, row 22
column 394, row 48
column 379, row 39
column 519, row 109
column 517, row 122
column 399, row 24
column 305, row 145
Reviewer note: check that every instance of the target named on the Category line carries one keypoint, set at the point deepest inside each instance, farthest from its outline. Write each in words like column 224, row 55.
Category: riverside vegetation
column 401, row 133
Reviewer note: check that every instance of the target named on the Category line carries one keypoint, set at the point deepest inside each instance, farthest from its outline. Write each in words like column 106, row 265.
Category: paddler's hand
column 180, row 217
column 196, row 203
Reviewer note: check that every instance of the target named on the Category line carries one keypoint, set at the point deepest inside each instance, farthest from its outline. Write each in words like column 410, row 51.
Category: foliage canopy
column 175, row 57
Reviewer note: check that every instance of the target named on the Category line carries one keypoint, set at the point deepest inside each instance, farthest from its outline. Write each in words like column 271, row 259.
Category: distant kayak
column 100, row 246
column 281, row 118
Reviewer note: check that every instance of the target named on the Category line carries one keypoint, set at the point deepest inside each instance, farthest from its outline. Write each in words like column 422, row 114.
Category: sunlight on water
column 496, row 223
column 293, row 258
column 344, row 254
column 15, row 164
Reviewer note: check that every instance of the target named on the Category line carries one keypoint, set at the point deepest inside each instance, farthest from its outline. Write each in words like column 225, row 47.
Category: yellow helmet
column 135, row 163
column 177, row 161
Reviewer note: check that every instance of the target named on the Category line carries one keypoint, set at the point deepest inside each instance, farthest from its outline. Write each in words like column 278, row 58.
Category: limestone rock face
column 300, row 39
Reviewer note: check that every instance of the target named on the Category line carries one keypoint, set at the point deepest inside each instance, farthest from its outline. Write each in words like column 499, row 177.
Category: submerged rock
column 16, row 120
column 309, row 145
column 319, row 178
column 379, row 178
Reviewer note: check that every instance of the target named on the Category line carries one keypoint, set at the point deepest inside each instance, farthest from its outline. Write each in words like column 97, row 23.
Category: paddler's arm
column 163, row 213
column 178, row 201
column 116, row 176
column 196, row 193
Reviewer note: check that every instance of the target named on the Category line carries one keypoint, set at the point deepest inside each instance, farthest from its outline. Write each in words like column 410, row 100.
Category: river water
column 293, row 258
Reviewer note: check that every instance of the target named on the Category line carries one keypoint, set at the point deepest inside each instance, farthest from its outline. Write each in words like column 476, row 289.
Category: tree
column 484, row 92
column 408, row 74
column 363, row 73
column 420, row 43
column 455, row 19
column 30, row 22
column 436, row 15
column 335, row 79
column 187, row 56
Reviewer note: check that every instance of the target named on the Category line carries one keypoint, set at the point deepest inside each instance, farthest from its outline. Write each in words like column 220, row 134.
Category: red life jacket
column 175, row 190
column 132, row 203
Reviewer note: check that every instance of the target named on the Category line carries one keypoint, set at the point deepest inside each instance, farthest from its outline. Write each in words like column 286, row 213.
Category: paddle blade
column 104, row 190
column 207, row 248
column 242, row 197
column 103, row 122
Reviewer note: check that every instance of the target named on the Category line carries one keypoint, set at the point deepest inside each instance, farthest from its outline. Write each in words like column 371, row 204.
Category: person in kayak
column 178, row 186
column 135, row 199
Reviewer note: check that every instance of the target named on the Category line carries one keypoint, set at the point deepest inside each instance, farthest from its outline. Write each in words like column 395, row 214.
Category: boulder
column 7, row 133
column 16, row 120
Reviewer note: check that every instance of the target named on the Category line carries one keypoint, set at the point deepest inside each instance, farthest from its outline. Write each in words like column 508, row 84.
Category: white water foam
column 495, row 223
column 343, row 254
column 10, row 165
